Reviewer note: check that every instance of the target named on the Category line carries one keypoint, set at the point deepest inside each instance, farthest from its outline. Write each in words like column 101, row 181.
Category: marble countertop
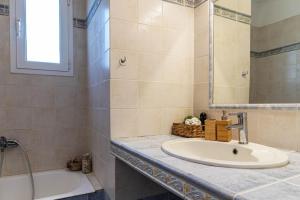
column 226, row 183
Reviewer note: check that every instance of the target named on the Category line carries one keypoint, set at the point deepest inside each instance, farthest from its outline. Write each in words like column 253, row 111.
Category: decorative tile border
column 198, row 3
column 232, row 15
column 187, row 3
column 4, row 10
column 280, row 50
column 171, row 182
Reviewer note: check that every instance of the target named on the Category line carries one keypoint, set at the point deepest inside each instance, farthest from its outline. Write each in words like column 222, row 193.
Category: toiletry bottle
column 210, row 129
column 223, row 133
column 203, row 117
column 224, row 115
column 87, row 163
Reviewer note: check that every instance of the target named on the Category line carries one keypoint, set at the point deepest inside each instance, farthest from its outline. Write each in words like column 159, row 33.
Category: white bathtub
column 49, row 185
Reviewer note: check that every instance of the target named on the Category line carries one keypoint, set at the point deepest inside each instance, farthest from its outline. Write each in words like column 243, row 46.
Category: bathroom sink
column 230, row 154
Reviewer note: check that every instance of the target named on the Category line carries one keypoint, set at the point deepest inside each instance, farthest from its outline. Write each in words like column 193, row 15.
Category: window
column 41, row 37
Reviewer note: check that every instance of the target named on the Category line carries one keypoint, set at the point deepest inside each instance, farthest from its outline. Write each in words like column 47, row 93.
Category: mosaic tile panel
column 166, row 179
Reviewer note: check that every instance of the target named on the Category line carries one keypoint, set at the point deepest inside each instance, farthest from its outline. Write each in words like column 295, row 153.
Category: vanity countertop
column 221, row 183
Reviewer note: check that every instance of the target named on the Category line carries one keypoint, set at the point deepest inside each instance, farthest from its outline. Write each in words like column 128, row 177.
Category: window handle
column 18, row 27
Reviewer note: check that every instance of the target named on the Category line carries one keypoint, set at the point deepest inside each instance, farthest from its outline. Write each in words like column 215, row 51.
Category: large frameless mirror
column 255, row 53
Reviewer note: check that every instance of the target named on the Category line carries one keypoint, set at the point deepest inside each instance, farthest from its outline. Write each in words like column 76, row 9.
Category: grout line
column 256, row 188
column 269, row 184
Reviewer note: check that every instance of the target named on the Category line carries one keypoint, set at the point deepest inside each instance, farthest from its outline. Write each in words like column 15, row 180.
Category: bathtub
column 49, row 185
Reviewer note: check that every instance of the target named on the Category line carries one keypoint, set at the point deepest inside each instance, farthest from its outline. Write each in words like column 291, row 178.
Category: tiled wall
column 231, row 53
column 201, row 80
column 275, row 128
column 47, row 114
column 98, row 51
column 276, row 77
column 155, row 88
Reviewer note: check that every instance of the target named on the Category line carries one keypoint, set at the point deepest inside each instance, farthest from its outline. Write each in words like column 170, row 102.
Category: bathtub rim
column 85, row 186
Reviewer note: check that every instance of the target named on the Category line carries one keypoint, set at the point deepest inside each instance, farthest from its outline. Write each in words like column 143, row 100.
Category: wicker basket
column 189, row 131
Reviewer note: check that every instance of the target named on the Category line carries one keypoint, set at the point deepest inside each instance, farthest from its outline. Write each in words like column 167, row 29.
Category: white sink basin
column 231, row 154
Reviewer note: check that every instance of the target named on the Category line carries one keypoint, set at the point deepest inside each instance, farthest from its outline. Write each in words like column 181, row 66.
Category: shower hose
column 28, row 165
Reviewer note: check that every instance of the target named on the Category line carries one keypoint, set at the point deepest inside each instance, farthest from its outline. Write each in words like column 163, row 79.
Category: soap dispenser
column 223, row 133
column 224, row 115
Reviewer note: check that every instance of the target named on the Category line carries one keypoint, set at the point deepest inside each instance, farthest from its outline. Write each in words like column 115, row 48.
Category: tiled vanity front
column 201, row 182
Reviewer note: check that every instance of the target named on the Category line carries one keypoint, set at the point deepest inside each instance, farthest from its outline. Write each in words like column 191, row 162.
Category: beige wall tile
column 175, row 16
column 149, row 121
column 201, row 70
column 150, row 12
column 126, row 10
column 150, row 67
column 151, row 95
column 128, row 72
column 124, row 122
column 29, row 103
column 149, row 39
column 124, row 94
column 43, row 97
column 123, row 35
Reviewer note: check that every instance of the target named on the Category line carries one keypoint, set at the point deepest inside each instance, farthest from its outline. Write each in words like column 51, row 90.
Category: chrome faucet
column 242, row 126
column 7, row 143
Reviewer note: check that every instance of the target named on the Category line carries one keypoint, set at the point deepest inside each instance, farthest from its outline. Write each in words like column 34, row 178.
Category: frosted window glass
column 43, row 31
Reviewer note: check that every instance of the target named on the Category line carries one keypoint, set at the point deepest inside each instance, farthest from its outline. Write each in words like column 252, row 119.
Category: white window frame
column 19, row 64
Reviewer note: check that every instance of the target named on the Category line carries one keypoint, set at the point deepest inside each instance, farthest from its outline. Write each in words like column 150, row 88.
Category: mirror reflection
column 256, row 52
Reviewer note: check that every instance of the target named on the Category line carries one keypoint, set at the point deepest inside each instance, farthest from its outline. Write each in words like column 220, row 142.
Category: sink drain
column 235, row 151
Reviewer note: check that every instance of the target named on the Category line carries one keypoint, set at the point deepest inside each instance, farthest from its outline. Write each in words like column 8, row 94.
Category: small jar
column 87, row 163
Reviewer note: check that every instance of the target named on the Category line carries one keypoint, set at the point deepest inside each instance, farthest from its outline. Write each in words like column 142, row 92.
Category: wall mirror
column 255, row 53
